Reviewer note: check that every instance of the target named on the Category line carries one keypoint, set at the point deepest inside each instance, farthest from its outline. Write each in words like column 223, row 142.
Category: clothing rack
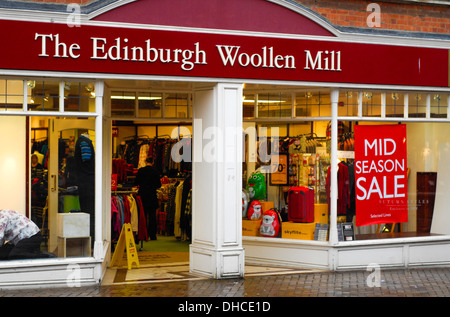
column 116, row 223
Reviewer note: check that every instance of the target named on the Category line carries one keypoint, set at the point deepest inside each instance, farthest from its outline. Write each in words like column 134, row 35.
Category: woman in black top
column 148, row 180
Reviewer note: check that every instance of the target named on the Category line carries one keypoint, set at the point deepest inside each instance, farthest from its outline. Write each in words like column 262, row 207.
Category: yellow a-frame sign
column 126, row 240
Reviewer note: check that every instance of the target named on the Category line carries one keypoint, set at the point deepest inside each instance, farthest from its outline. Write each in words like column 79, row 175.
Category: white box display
column 73, row 224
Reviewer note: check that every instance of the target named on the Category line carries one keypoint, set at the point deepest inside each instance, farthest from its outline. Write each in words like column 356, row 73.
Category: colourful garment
column 15, row 227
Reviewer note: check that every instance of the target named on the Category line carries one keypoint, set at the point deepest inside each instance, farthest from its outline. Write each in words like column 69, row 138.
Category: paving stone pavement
column 432, row 282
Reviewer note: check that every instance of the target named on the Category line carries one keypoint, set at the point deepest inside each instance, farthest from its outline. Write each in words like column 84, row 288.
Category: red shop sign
column 143, row 51
column 381, row 174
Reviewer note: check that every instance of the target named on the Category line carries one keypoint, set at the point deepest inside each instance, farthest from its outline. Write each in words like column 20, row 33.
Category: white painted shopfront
column 220, row 63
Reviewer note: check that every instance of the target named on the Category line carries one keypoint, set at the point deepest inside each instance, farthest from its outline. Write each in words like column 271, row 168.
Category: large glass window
column 426, row 180
column 57, row 168
column 285, row 158
column 288, row 159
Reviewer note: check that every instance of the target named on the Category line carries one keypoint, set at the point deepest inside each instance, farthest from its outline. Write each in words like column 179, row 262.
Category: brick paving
column 433, row 282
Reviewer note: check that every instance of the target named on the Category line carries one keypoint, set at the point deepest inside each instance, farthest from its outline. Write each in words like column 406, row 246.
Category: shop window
column 348, row 103
column 176, row 105
column 312, row 104
column 11, row 94
column 60, row 197
column 282, row 163
column 123, row 103
column 274, row 105
column 438, row 105
column 417, row 105
column 249, row 102
column 150, row 104
column 79, row 97
column 395, row 104
column 43, row 95
column 371, row 104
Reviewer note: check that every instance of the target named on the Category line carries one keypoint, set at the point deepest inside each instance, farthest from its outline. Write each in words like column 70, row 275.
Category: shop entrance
column 205, row 214
column 152, row 126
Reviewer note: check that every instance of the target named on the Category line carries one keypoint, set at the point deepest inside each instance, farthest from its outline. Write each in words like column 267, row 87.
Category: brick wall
column 395, row 15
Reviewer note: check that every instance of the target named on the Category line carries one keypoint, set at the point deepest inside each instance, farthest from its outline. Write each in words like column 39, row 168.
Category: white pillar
column 333, row 167
column 216, row 250
column 98, row 244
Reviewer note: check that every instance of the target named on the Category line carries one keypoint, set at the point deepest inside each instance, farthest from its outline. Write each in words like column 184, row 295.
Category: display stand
column 126, row 240
column 74, row 246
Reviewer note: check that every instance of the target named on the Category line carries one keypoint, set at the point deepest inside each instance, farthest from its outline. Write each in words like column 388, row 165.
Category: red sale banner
column 380, row 174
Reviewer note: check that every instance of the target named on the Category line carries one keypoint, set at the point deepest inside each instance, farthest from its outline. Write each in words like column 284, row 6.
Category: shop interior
column 154, row 119
column 301, row 151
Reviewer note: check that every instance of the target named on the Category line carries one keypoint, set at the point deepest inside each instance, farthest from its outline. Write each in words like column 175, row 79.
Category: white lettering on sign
column 60, row 49
column 121, row 49
column 266, row 58
column 378, row 145
column 324, row 60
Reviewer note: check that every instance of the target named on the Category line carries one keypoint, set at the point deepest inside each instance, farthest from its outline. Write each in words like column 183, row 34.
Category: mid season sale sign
column 381, row 174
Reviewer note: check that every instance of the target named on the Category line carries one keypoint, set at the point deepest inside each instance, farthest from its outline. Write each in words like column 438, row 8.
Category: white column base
column 217, row 264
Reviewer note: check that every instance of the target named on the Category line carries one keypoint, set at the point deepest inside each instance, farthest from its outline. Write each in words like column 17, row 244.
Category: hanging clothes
column 343, row 189
column 187, row 219
column 127, row 208
column 115, row 220
column 177, row 217
column 142, row 224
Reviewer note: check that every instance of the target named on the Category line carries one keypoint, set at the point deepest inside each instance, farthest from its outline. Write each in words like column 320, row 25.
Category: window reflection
column 79, row 96
column 438, row 105
column 417, row 105
column 43, row 95
column 371, row 104
column 395, row 104
column 312, row 104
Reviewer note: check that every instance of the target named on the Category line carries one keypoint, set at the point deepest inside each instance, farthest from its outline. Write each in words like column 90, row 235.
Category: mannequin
column 85, row 170
column 39, row 156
